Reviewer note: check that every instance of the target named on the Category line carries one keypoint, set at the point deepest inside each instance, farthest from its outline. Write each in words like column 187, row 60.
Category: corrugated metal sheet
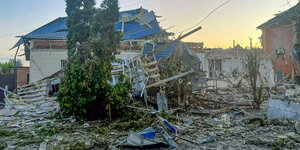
column 54, row 26
column 49, row 36
column 160, row 55
column 132, row 30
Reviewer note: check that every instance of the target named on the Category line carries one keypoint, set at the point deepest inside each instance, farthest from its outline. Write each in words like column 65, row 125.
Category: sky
column 237, row 20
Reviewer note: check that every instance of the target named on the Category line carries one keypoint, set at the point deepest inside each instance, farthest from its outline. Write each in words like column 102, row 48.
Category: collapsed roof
column 138, row 23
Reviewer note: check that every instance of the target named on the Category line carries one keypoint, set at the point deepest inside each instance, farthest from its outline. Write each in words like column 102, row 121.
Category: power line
column 204, row 18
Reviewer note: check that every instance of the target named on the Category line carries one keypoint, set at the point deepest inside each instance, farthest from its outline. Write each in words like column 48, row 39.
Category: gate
column 9, row 80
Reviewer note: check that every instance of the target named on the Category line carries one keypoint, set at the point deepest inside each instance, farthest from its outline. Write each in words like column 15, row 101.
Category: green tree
column 86, row 91
column 80, row 15
column 18, row 62
column 7, row 66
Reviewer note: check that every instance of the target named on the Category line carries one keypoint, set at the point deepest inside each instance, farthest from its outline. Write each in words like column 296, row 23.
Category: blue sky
column 235, row 21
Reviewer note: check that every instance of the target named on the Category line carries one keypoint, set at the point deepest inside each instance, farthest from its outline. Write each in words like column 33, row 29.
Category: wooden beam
column 151, row 70
column 150, row 64
column 123, row 25
column 35, row 95
column 169, row 79
column 144, row 22
column 30, row 92
column 172, row 42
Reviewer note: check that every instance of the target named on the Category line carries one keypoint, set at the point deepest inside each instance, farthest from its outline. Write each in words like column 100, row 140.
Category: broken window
column 63, row 63
column 214, row 68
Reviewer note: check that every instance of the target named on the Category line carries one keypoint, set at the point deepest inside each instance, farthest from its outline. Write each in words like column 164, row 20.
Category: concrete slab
column 278, row 109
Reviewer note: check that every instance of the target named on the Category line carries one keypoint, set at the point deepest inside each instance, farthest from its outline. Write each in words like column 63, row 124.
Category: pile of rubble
column 219, row 120
column 33, row 102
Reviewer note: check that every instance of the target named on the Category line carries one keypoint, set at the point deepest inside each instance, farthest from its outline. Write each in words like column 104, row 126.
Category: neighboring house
column 22, row 76
column 222, row 64
column 45, row 47
column 279, row 40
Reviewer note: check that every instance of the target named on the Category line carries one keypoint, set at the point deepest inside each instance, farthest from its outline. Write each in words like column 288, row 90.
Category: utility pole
column 250, row 43
column 233, row 44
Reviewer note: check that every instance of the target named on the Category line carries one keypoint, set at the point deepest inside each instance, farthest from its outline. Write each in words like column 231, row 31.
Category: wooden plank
column 144, row 22
column 30, row 92
column 29, row 88
column 169, row 79
column 150, row 64
column 33, row 100
column 151, row 70
column 117, row 67
column 35, row 95
column 32, row 84
column 154, row 76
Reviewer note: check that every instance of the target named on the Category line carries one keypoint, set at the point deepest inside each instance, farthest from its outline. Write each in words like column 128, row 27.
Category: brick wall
column 22, row 75
column 49, row 44
column 279, row 37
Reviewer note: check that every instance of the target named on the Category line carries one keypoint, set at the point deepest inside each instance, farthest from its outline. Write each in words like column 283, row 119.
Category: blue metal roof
column 160, row 55
column 49, row 36
column 132, row 29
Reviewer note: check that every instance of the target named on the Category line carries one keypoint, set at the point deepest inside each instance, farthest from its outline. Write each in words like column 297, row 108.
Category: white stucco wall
column 239, row 63
column 45, row 62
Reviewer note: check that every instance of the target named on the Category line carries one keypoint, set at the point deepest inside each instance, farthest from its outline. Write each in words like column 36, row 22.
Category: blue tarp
column 132, row 30
column 148, row 133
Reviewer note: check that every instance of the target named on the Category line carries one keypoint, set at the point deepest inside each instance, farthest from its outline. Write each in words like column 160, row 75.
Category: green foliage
column 80, row 15
column 47, row 131
column 105, row 40
column 3, row 145
column 102, row 131
column 7, row 66
column 86, row 90
column 6, row 133
column 78, row 146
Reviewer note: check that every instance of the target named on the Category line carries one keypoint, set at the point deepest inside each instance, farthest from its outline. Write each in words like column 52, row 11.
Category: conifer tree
column 80, row 15
column 86, row 90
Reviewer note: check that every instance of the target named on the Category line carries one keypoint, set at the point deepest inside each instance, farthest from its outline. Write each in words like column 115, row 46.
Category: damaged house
column 45, row 47
column 280, row 40
column 145, row 50
column 228, row 67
